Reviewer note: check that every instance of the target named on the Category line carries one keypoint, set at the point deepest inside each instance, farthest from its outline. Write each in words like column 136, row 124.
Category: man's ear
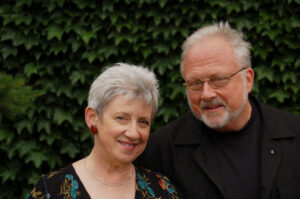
column 250, row 79
column 91, row 116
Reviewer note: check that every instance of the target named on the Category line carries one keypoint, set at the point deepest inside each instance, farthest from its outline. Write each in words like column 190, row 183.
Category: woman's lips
column 127, row 145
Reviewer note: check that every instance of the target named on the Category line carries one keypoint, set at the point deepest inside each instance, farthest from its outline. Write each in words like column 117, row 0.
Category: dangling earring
column 94, row 129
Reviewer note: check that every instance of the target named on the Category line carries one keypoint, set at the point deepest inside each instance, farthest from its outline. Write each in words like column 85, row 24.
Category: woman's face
column 123, row 130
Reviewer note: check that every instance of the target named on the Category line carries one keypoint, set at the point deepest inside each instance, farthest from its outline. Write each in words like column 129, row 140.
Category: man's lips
column 213, row 107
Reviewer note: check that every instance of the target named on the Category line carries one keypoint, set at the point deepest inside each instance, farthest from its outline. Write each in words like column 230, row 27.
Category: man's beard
column 224, row 119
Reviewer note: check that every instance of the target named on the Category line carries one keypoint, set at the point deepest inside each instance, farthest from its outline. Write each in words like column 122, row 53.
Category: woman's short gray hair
column 135, row 82
column 235, row 38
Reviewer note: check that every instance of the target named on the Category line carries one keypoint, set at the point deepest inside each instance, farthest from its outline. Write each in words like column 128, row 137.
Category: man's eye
column 218, row 79
column 196, row 83
column 120, row 118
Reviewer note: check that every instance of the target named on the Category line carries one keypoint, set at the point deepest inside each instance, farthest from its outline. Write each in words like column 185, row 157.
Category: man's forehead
column 209, row 45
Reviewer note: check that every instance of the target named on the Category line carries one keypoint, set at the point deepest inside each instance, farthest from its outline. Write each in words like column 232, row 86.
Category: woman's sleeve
column 40, row 190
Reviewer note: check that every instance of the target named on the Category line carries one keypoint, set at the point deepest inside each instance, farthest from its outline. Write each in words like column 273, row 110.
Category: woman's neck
column 108, row 172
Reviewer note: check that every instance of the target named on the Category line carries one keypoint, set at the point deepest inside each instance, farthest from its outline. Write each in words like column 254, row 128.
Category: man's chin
column 214, row 123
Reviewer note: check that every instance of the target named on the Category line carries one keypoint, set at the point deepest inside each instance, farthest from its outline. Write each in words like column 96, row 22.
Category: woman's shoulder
column 63, row 183
column 152, row 184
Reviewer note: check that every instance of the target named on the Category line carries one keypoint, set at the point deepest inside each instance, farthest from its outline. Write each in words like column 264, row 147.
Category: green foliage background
column 60, row 46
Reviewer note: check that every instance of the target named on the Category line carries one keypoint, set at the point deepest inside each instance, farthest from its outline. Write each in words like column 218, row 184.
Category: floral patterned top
column 65, row 184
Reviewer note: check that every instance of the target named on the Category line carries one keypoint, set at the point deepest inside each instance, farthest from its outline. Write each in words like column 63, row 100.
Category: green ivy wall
column 60, row 46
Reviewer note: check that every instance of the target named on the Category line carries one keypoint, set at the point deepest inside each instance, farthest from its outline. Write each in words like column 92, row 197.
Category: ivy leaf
column 87, row 36
column 277, row 61
column 184, row 32
column 108, row 51
column 49, row 138
column 8, row 50
column 146, row 52
column 294, row 87
column 24, row 124
column 297, row 63
column 279, row 95
column 20, row 18
column 76, row 76
column 295, row 22
column 64, row 89
column 69, row 149
column 264, row 72
column 54, row 31
column 75, row 45
column 177, row 91
column 6, row 135
column 161, row 48
column 289, row 76
column 30, row 69
column 60, row 116
column 157, row 20
column 33, row 178
column 60, row 3
column 91, row 56
column 58, row 47
column 162, row 3
column 113, row 18
column 80, row 95
column 44, row 124
column 232, row 6
column 7, row 34
column 21, row 3
column 37, row 158
column 24, row 147
column 86, row 134
column 9, row 174
column 167, row 113
column 262, row 51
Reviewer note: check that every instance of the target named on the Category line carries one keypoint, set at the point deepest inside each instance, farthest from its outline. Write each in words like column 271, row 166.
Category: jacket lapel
column 273, row 131
column 192, row 133
column 206, row 158
column 270, row 159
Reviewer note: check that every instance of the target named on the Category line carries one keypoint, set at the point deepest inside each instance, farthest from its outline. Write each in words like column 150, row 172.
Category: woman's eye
column 145, row 122
column 120, row 118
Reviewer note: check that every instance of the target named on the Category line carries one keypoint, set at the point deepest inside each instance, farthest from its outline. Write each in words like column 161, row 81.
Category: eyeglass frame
column 209, row 80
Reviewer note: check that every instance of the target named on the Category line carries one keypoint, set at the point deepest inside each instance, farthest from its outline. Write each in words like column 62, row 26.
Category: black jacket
column 181, row 151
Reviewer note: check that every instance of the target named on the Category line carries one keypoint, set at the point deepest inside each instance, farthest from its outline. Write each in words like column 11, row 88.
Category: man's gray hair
column 235, row 38
column 135, row 82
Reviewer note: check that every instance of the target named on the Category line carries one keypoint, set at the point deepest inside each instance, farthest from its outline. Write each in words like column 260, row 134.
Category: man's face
column 222, row 109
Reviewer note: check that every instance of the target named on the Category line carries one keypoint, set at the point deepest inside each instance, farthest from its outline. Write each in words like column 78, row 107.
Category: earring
column 94, row 129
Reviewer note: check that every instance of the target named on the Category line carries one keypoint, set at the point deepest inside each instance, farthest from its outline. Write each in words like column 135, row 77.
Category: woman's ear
column 91, row 116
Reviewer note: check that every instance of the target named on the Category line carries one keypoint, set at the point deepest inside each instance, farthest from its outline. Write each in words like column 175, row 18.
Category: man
column 229, row 145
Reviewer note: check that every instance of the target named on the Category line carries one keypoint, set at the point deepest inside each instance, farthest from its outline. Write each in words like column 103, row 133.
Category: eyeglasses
column 215, row 82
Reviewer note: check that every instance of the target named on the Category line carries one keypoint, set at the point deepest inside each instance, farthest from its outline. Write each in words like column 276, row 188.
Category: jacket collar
column 275, row 121
column 190, row 132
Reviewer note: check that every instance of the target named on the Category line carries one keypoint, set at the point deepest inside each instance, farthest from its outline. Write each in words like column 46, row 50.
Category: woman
column 121, row 104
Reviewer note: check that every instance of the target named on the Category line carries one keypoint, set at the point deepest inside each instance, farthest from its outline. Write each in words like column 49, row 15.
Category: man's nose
column 208, row 92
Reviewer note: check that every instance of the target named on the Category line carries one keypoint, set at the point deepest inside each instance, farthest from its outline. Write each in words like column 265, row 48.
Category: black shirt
column 239, row 159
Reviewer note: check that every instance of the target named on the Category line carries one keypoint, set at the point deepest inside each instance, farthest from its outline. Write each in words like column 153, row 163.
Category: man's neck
column 239, row 122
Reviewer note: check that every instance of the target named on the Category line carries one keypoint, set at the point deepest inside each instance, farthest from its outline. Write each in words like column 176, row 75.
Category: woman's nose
column 132, row 132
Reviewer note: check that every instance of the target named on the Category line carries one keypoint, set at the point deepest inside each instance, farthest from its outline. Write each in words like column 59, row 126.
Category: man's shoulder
column 272, row 112
column 171, row 128
column 279, row 120
column 184, row 130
